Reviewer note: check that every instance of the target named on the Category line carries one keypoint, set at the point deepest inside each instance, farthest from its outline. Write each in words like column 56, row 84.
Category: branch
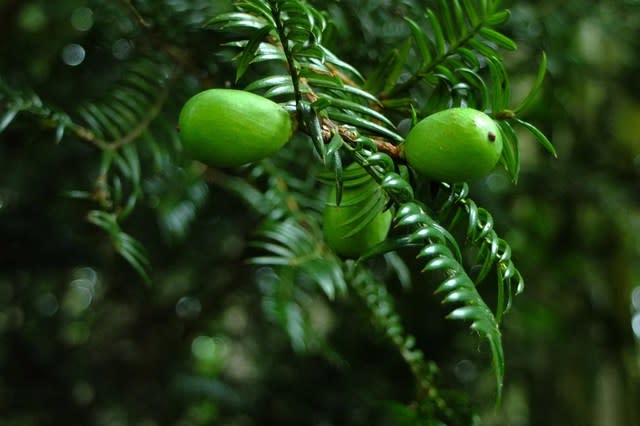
column 293, row 70
column 132, row 9
column 350, row 136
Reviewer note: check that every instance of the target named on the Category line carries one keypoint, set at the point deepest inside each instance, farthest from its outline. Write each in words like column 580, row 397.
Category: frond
column 119, row 125
column 125, row 245
column 291, row 245
column 321, row 85
column 493, row 251
column 130, row 106
column 457, row 37
column 381, row 306
column 457, row 287
column 15, row 102
column 176, row 194
column 290, row 236
column 443, row 255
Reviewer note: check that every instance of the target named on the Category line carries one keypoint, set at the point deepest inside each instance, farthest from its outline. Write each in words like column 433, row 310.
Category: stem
column 293, row 69
column 350, row 136
column 380, row 305
column 429, row 67
column 136, row 14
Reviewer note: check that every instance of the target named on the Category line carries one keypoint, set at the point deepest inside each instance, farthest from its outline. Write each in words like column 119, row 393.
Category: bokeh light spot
column 47, row 304
column 188, row 307
column 208, row 349
column 635, row 325
column 635, row 298
column 121, row 49
column 466, row 371
column 83, row 393
column 78, row 298
column 73, row 54
column 32, row 18
column 498, row 182
column 82, row 19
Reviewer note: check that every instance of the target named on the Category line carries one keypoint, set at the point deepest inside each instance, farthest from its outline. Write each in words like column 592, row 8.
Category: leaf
column 125, row 245
column 249, row 51
column 315, row 132
column 422, row 42
column 7, row 118
column 344, row 88
column 295, row 247
column 501, row 85
column 469, row 7
column 378, row 78
column 539, row 136
column 339, row 177
column 335, row 144
column 328, row 101
column 498, row 18
column 274, row 80
column 537, row 85
column 235, row 20
column 394, row 72
column 400, row 268
column 510, row 151
column 436, row 249
column 333, row 59
column 397, row 187
column 498, row 38
column 437, row 33
column 447, row 20
column 383, row 160
column 481, row 48
column 478, row 84
column 364, row 124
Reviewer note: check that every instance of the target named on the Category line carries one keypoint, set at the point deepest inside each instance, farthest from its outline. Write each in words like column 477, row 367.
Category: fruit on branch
column 454, row 145
column 228, row 127
column 359, row 222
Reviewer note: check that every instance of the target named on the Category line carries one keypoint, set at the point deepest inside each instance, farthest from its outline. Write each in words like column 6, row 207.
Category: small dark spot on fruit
column 492, row 137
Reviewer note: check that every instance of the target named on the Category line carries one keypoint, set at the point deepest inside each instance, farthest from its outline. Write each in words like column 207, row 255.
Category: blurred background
column 83, row 341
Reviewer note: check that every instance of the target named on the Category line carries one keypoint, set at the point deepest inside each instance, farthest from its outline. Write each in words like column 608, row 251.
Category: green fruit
column 343, row 227
column 226, row 127
column 454, row 145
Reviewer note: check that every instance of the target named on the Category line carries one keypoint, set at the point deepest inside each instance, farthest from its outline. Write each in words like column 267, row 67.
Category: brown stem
column 143, row 22
column 350, row 136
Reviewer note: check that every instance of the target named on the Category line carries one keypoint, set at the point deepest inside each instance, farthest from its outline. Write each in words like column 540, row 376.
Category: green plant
column 454, row 145
column 226, row 127
column 284, row 50
column 345, row 230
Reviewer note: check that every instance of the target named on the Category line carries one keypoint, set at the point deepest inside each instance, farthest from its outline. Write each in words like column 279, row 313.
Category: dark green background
column 84, row 342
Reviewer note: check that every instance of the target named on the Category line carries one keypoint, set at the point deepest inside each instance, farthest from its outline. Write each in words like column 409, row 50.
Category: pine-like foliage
column 451, row 57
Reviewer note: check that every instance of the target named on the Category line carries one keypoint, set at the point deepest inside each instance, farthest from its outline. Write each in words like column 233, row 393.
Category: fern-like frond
column 381, row 306
column 457, row 34
column 125, row 245
column 443, row 255
column 453, row 56
column 176, row 194
column 457, row 287
column 290, row 236
column 313, row 77
column 15, row 102
column 130, row 106
column 493, row 251
column 289, row 301
column 289, row 244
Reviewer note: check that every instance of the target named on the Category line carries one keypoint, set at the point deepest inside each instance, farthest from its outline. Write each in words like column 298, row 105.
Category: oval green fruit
column 342, row 226
column 227, row 127
column 454, row 145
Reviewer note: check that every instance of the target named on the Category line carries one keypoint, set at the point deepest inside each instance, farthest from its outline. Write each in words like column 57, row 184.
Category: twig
column 143, row 22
